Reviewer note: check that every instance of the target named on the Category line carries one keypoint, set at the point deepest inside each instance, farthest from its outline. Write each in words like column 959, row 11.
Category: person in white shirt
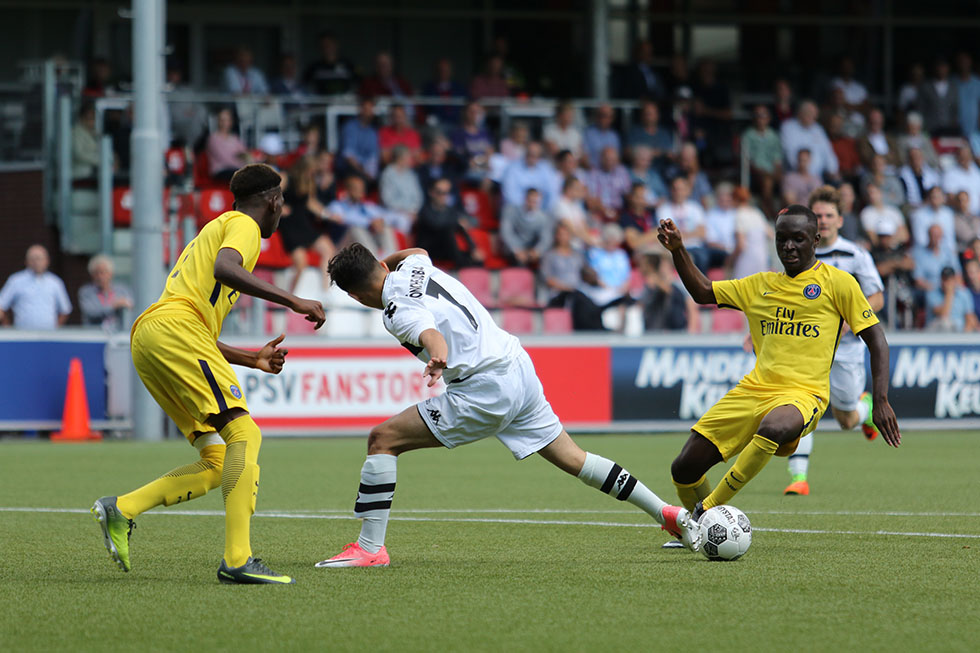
column 753, row 237
column 719, row 224
column 804, row 132
column 934, row 211
column 491, row 390
column 570, row 209
column 36, row 296
column 965, row 175
column 877, row 213
column 849, row 402
column 855, row 94
column 917, row 177
column 563, row 133
column 689, row 218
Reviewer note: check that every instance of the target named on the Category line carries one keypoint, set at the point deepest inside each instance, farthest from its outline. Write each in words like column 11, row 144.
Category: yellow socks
column 691, row 493
column 182, row 484
column 240, row 486
column 749, row 463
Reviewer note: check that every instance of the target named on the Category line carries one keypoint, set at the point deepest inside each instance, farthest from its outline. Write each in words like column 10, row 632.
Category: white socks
column 610, row 478
column 799, row 461
column 374, row 500
column 862, row 409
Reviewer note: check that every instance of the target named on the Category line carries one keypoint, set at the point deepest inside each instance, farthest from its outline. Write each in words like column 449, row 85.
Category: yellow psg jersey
column 192, row 279
column 796, row 323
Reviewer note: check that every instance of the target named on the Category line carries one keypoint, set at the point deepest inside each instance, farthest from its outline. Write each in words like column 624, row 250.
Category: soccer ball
column 727, row 533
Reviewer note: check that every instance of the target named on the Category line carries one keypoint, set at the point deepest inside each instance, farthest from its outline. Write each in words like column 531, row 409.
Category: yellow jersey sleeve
column 242, row 234
column 852, row 304
column 735, row 293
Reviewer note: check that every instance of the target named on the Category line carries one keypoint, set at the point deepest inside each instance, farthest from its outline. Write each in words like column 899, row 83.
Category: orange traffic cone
column 74, row 423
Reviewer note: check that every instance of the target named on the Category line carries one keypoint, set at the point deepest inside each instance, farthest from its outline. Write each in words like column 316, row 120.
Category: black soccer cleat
column 253, row 572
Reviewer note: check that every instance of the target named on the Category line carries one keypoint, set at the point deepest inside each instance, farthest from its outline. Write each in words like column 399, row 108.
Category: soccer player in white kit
column 848, row 400
column 491, row 390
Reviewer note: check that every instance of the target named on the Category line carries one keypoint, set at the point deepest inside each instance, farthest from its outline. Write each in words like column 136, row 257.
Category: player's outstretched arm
column 396, row 258
column 229, row 271
column 696, row 283
column 882, row 413
column 269, row 359
column 433, row 342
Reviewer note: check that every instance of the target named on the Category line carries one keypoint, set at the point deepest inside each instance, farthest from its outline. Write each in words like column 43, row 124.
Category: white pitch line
column 345, row 515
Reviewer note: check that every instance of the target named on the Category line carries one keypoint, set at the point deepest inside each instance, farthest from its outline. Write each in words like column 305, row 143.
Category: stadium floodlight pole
column 147, row 182
column 600, row 49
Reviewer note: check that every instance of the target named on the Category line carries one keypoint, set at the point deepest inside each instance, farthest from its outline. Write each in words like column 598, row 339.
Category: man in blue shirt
column 37, row 297
column 360, row 150
column 530, row 172
column 601, row 135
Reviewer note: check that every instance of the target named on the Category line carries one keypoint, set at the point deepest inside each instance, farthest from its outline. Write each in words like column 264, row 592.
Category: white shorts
column 847, row 383
column 507, row 402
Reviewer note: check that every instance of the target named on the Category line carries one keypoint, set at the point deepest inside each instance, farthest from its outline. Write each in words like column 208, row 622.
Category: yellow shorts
column 179, row 363
column 731, row 423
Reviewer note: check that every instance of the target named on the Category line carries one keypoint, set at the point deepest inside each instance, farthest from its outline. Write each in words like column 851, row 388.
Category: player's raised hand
column 433, row 370
column 271, row 358
column 669, row 235
column 312, row 309
column 884, row 418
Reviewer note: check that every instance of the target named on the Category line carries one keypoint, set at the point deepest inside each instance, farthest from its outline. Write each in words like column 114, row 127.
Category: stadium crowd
column 576, row 199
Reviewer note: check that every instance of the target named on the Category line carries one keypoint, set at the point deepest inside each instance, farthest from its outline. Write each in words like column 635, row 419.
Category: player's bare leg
column 403, row 432
column 609, row 478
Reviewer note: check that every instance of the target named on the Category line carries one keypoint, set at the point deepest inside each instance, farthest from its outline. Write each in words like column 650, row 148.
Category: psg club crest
column 236, row 393
column 812, row 291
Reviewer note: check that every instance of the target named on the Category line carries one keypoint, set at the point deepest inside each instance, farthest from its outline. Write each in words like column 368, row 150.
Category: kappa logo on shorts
column 812, row 291
column 236, row 392
column 434, row 415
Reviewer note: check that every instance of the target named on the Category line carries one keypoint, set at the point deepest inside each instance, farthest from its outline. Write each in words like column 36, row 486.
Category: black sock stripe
column 611, row 478
column 376, row 489
column 627, row 489
column 799, row 455
column 372, row 505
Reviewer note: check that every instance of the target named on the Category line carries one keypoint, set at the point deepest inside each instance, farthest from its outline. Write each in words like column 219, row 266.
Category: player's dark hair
column 827, row 194
column 799, row 209
column 253, row 179
column 352, row 267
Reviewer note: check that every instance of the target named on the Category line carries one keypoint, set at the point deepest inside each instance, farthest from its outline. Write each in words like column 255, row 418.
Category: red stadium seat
column 477, row 281
column 122, row 206
column 485, row 243
column 557, row 320
column 716, row 274
column 273, row 254
column 213, row 203
column 517, row 320
column 516, row 287
column 202, row 174
column 478, row 204
column 727, row 321
column 176, row 162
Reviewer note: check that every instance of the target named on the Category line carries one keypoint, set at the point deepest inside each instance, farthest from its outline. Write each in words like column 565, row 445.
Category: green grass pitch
column 490, row 554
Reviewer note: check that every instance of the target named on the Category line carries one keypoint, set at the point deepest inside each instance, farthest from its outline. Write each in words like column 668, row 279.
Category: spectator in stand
column 325, row 180
column 719, row 224
column 764, row 152
column 440, row 222
column 800, row 182
column 437, row 165
column 188, row 119
column 689, row 167
column 932, row 258
column 515, row 145
column 967, row 97
column 753, row 237
column 516, row 81
column 366, row 222
column 99, row 81
column 877, row 213
column 562, row 270
column 852, row 122
column 678, row 77
column 563, row 133
column 642, row 171
column 971, row 273
column 531, row 172
column 908, row 95
column 965, row 175
column 492, row 83
column 473, row 144
column 934, row 212
column 400, row 189
column 892, row 190
column 966, row 223
column 610, row 285
column 288, row 84
column 855, row 94
column 360, row 150
column 385, row 82
column 895, row 265
column 665, row 303
column 950, row 307
column 804, row 132
column 688, row 215
column 845, row 147
column 607, row 183
column 638, row 221
column 85, row 145
column 225, row 150
column 640, row 79
column 570, row 210
column 242, row 78
column 398, row 132
column 526, row 230
column 876, row 141
column 102, row 302
column 917, row 178
column 36, row 296
column 649, row 133
column 301, row 225
column 915, row 138
column 851, row 228
column 600, row 135
column 311, row 144
column 331, row 74
column 939, row 102
column 713, row 114
column 446, row 87
column 567, row 165
column 783, row 108
column 682, row 115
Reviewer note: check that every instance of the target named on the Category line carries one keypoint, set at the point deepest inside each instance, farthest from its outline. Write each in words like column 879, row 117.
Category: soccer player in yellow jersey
column 178, row 356
column 795, row 320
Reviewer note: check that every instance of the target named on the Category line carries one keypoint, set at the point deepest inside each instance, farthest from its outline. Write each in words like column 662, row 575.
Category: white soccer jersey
column 418, row 296
column 854, row 259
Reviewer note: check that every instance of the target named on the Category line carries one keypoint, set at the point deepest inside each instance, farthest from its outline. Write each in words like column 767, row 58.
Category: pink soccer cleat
column 678, row 522
column 354, row 556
